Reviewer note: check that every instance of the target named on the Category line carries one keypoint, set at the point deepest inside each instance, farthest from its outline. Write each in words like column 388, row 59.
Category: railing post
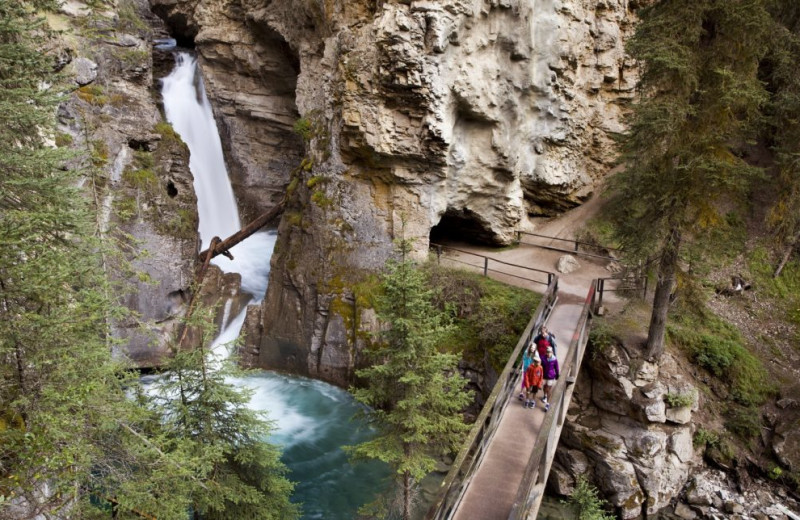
column 601, row 284
column 438, row 255
column 644, row 294
column 576, row 246
column 485, row 266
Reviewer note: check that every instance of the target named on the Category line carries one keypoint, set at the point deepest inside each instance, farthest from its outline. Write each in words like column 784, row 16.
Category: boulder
column 84, row 71
column 567, row 264
column 684, row 511
column 619, row 485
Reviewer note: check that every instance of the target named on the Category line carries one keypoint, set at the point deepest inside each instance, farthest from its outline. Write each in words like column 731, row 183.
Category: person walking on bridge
column 544, row 339
column 532, row 381
column 527, row 359
column 551, row 373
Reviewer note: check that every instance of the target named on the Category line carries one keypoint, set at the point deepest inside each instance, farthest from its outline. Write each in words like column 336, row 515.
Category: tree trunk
column 786, row 255
column 667, row 268
column 406, row 496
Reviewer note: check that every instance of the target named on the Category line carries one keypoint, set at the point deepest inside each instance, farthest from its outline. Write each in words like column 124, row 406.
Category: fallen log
column 222, row 247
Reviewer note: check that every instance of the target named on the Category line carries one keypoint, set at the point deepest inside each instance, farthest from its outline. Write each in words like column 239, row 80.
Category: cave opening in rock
column 462, row 226
column 172, row 191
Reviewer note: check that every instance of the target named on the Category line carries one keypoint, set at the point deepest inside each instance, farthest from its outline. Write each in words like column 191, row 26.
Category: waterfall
column 187, row 109
column 313, row 419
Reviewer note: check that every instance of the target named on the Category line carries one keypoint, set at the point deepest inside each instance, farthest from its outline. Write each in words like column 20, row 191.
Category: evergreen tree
column 208, row 424
column 415, row 390
column 76, row 435
column 701, row 99
column 780, row 73
column 60, row 393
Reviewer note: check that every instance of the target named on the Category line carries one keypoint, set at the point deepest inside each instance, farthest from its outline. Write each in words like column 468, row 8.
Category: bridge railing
column 534, row 275
column 531, row 489
column 479, row 437
column 570, row 245
column 628, row 283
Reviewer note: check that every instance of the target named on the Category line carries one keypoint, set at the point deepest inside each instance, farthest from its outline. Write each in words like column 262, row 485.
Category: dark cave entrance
column 462, row 226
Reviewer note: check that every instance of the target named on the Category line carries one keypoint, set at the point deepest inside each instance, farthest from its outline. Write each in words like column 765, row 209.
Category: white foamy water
column 313, row 420
column 187, row 109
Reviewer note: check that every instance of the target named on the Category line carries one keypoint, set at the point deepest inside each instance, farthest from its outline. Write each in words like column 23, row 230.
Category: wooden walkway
column 501, row 471
column 491, row 492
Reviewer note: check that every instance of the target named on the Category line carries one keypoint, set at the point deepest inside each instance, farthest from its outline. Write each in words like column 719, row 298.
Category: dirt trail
column 527, row 255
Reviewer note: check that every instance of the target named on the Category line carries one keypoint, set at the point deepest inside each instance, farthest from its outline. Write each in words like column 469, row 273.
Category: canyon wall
column 136, row 168
column 387, row 119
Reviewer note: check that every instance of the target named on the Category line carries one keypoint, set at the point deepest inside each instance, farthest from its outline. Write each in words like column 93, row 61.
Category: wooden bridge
column 502, row 468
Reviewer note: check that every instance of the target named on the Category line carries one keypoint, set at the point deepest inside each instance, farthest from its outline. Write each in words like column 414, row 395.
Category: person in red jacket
column 532, row 381
column 544, row 339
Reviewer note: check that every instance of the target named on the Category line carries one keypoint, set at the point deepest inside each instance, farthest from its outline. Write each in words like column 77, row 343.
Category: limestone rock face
column 639, row 459
column 137, row 171
column 469, row 116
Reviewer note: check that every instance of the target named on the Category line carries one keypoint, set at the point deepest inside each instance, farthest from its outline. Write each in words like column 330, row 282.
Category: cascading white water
column 187, row 109
column 313, row 419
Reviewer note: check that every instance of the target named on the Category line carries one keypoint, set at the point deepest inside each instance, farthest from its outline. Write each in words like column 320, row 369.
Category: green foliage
column 63, row 139
column 320, row 199
column 99, row 153
column 125, row 208
column 129, row 20
column 601, row 337
column 714, row 446
column 680, row 400
column 143, row 179
column 784, row 289
column 586, row 503
column 719, row 348
column 71, row 426
column 132, row 58
column 207, row 423
column 182, row 225
column 75, row 427
column 304, row 128
column 780, row 73
column 313, row 181
column 488, row 316
column 93, row 94
column 683, row 152
column 744, row 422
column 703, row 437
column 167, row 133
column 292, row 187
column 414, row 389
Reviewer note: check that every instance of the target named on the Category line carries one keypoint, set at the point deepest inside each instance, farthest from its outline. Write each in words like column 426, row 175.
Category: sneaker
column 521, row 396
column 544, row 398
column 533, row 404
column 547, row 407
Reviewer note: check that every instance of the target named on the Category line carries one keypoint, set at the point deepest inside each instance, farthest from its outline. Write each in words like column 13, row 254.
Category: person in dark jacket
column 544, row 339
column 551, row 373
